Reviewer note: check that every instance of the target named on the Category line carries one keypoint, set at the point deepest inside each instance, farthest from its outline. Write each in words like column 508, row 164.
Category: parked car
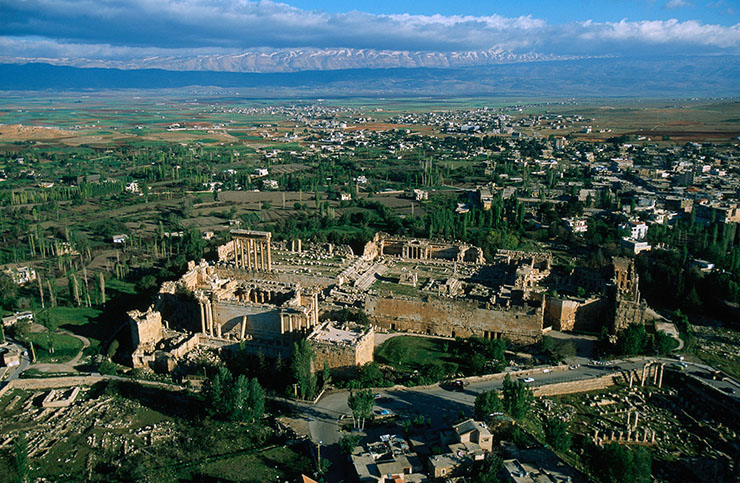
column 528, row 379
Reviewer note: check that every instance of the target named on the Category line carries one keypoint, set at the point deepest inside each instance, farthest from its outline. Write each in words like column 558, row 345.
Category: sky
column 137, row 29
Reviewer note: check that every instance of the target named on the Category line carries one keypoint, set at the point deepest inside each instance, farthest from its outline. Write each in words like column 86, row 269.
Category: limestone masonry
column 263, row 296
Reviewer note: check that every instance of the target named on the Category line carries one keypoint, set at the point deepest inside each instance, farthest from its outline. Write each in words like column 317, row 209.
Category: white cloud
column 120, row 29
column 677, row 4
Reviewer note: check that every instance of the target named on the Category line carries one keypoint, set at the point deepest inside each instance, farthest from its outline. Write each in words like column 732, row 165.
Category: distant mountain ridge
column 682, row 76
column 294, row 60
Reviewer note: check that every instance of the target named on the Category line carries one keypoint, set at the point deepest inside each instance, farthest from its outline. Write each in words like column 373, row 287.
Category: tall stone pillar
column 202, row 318
column 262, row 256
column 243, row 327
column 209, row 307
column 241, row 249
column 660, row 378
column 269, row 256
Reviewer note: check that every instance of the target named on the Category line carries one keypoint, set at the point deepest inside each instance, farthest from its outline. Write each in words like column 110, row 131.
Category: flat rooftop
column 333, row 334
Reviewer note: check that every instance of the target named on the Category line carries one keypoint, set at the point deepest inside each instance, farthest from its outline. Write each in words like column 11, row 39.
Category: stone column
column 637, row 416
column 269, row 256
column 209, row 311
column 254, row 254
column 241, row 258
column 262, row 257
column 655, row 375
column 300, row 246
column 642, row 379
column 660, row 379
column 244, row 327
column 202, row 318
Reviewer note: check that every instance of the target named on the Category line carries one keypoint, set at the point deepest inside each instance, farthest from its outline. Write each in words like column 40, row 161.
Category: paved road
column 444, row 406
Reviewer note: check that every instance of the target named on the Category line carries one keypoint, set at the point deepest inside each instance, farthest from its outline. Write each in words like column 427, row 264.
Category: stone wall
column 146, row 327
column 455, row 318
column 572, row 387
column 628, row 312
column 344, row 357
column 569, row 314
column 263, row 322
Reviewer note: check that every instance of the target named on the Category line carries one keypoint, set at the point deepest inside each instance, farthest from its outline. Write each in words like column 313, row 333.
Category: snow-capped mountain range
column 295, row 60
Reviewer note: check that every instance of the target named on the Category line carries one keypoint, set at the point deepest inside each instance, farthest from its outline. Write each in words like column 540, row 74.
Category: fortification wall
column 455, row 318
column 573, row 387
column 567, row 314
column 344, row 357
column 628, row 312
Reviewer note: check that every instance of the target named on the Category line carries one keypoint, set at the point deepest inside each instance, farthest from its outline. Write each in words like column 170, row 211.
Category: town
column 370, row 290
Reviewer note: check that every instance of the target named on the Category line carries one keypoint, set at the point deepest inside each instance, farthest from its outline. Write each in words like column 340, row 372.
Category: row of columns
column 654, row 369
column 415, row 252
column 253, row 253
column 292, row 322
column 648, row 437
column 259, row 296
column 207, row 323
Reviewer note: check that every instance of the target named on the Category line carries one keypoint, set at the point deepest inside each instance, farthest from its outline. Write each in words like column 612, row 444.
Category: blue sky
column 127, row 30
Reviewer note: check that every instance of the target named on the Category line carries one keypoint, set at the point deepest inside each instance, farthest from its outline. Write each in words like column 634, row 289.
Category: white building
column 637, row 230
column 635, row 246
column 576, row 225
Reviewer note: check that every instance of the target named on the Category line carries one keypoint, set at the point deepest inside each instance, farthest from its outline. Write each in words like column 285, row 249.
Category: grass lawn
column 395, row 288
column 82, row 321
column 724, row 364
column 408, row 353
column 275, row 464
column 55, row 347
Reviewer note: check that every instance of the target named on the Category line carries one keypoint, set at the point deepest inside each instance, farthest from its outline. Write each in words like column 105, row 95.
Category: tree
column 487, row 402
column 8, row 291
column 488, row 470
column 633, row 340
column 663, row 343
column 218, row 392
column 615, row 463
column 238, row 400
column 326, row 373
column 517, row 398
column 303, row 357
column 235, row 400
column 556, row 434
column 361, row 403
column 478, row 363
column 256, row 400
column 348, row 443
column 22, row 468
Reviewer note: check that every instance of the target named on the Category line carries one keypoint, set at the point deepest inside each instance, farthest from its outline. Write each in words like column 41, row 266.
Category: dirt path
column 69, row 366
